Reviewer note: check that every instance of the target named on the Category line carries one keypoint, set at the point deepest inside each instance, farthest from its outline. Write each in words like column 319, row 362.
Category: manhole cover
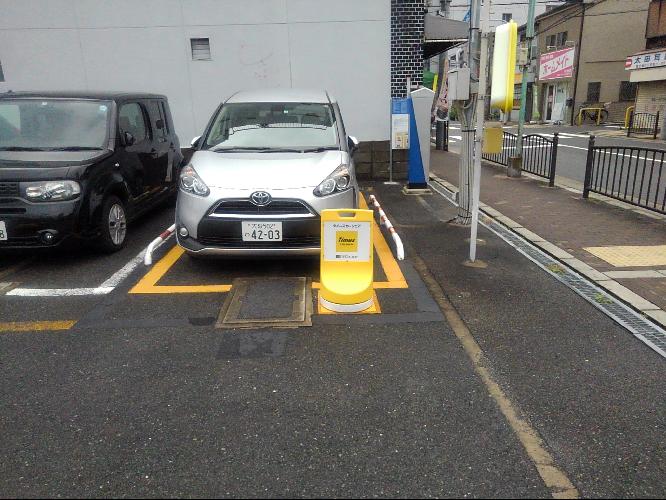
column 255, row 302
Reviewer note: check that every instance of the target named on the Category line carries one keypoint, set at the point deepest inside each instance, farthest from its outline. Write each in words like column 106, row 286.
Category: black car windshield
column 53, row 124
column 270, row 126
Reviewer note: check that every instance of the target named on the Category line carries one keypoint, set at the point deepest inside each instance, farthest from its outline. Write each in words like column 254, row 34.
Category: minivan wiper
column 232, row 150
column 321, row 149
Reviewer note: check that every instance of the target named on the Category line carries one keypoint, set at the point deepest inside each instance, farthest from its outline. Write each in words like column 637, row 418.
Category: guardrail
column 643, row 123
column 633, row 175
column 539, row 154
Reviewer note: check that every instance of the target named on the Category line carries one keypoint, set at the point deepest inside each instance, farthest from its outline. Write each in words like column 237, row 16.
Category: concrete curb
column 632, row 299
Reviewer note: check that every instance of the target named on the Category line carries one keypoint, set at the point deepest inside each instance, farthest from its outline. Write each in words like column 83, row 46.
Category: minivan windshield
column 273, row 126
column 53, row 124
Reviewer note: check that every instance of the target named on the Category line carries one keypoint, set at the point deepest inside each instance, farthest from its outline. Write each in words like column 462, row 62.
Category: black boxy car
column 82, row 165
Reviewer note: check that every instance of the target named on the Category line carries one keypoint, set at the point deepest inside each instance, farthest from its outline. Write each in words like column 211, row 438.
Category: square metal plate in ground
column 267, row 302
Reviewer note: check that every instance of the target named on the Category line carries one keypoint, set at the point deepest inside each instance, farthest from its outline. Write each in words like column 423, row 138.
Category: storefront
column 648, row 71
column 556, row 70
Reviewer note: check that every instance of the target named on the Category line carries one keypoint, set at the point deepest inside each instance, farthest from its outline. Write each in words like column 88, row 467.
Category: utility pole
column 466, row 112
column 523, row 84
column 480, row 118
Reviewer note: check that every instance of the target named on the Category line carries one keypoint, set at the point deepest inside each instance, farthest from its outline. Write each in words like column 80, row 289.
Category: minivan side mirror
column 128, row 139
column 352, row 142
column 195, row 141
column 159, row 124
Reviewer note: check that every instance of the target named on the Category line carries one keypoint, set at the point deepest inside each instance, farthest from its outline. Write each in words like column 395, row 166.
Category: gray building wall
column 144, row 45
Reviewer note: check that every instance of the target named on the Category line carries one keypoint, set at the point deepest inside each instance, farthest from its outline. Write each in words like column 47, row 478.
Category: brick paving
column 567, row 220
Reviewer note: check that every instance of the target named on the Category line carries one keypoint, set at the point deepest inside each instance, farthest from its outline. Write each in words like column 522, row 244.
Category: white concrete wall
column 144, row 45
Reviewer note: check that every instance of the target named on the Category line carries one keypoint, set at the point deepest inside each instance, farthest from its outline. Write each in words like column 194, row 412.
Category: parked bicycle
column 595, row 114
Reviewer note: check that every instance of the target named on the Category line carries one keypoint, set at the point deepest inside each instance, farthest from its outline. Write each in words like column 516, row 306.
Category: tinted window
column 273, row 125
column 131, row 119
column 53, row 123
column 156, row 114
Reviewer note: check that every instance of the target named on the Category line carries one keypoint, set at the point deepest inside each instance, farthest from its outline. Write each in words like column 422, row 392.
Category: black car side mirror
column 128, row 139
column 159, row 124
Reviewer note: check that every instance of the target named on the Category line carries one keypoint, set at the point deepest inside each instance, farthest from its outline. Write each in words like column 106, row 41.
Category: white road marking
column 458, row 137
column 106, row 287
column 58, row 292
column 124, row 272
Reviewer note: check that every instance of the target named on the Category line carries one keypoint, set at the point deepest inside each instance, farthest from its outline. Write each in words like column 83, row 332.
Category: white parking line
column 106, row 287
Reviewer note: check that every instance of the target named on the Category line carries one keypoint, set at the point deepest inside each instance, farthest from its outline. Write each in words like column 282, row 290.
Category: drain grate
column 266, row 302
column 641, row 327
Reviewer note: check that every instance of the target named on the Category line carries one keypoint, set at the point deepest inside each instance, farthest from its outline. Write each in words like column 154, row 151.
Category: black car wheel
column 113, row 225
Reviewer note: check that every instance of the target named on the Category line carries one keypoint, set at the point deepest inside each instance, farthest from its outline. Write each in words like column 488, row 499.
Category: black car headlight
column 50, row 190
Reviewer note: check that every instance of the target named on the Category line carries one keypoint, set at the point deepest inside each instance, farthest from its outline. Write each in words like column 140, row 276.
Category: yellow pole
column 627, row 114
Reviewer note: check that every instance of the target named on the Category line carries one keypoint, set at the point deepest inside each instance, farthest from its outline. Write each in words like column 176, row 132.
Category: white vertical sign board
column 400, row 128
column 347, row 241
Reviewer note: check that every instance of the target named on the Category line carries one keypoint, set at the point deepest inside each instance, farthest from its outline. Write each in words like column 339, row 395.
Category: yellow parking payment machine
column 346, row 260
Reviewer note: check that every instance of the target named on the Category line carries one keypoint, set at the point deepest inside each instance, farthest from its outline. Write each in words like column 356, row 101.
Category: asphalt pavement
column 116, row 381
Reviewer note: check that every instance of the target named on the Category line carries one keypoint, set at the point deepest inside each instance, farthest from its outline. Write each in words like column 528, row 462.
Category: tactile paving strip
column 631, row 256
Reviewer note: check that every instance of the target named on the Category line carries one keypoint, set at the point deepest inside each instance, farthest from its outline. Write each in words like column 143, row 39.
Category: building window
column 628, row 91
column 593, row 91
column 200, row 49
column 2, row 75
column 506, row 17
column 558, row 40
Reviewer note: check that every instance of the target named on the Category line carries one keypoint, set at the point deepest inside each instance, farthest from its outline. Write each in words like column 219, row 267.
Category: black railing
column 630, row 174
column 643, row 123
column 539, row 154
column 441, row 135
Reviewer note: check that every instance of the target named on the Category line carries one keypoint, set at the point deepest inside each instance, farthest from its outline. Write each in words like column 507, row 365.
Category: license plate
column 262, row 231
column 3, row 231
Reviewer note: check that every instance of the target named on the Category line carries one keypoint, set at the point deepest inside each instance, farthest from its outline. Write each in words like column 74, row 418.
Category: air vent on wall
column 200, row 49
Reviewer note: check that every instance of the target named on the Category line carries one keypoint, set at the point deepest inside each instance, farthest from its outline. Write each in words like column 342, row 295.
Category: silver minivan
column 266, row 166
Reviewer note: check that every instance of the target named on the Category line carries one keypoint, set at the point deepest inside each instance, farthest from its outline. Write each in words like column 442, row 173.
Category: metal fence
column 631, row 174
column 539, row 154
column 643, row 123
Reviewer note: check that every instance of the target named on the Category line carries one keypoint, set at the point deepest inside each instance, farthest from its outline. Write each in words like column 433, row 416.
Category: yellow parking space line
column 35, row 326
column 148, row 284
column 374, row 309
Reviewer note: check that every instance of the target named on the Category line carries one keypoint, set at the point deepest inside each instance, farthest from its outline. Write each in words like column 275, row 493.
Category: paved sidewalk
column 589, row 235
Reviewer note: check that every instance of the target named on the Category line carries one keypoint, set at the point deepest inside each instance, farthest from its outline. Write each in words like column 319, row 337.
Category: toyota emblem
column 260, row 198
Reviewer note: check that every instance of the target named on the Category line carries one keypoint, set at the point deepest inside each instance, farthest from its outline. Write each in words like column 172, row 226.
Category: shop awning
column 442, row 34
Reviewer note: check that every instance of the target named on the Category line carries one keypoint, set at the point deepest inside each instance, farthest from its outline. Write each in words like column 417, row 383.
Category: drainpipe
column 580, row 40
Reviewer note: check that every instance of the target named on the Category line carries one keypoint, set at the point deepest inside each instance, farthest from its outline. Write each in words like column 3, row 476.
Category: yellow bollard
column 492, row 138
column 346, row 260
column 627, row 116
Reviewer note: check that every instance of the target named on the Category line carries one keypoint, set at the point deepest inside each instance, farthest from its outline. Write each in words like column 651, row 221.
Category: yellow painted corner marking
column 35, row 326
column 631, row 256
column 553, row 477
column 148, row 284
column 374, row 309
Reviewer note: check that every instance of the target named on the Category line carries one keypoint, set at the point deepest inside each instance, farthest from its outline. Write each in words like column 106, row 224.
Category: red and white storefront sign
column 557, row 64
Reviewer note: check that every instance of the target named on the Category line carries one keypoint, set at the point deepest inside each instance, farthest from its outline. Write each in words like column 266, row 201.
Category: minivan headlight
column 190, row 182
column 339, row 180
column 50, row 190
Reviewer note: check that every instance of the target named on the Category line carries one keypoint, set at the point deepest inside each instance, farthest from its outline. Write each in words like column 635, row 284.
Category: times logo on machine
column 347, row 241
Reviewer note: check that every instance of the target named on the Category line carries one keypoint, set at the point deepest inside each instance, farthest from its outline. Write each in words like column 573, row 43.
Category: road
column 573, row 144
column 119, row 380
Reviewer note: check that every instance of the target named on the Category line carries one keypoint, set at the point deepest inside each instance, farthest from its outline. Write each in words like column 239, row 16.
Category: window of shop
column 593, row 91
column 628, row 91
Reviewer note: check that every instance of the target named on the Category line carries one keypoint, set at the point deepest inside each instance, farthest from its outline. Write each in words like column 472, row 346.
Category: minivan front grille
column 275, row 207
column 9, row 189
